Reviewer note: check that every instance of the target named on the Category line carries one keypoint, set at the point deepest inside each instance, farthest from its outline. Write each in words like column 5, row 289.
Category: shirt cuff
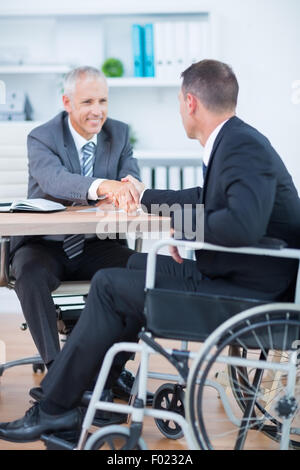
column 92, row 193
column 142, row 194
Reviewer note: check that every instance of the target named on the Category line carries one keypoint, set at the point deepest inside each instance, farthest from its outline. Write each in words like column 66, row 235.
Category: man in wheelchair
column 247, row 194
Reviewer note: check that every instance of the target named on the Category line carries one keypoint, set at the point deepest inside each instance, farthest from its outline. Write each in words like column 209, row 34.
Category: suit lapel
column 101, row 165
column 72, row 158
column 224, row 129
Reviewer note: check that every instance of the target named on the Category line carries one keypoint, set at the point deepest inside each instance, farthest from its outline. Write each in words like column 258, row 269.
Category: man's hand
column 173, row 250
column 123, row 194
column 140, row 187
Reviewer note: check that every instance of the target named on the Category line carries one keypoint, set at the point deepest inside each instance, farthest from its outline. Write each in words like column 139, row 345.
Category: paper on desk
column 97, row 209
column 5, row 207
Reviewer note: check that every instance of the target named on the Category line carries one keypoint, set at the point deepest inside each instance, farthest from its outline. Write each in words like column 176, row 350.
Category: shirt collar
column 210, row 143
column 78, row 139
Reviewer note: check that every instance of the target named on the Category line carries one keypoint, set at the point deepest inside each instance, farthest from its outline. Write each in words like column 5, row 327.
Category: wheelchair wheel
column 252, row 337
column 112, row 438
column 272, row 388
column 169, row 397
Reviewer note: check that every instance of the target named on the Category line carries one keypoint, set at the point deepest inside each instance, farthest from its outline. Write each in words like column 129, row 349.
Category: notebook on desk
column 31, row 205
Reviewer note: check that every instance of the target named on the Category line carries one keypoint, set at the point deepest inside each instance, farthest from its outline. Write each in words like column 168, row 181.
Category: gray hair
column 74, row 75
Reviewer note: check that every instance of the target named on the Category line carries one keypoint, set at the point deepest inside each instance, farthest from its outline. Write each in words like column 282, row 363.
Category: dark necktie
column 73, row 245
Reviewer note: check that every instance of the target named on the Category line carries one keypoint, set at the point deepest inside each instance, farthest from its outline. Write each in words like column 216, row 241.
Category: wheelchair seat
column 205, row 313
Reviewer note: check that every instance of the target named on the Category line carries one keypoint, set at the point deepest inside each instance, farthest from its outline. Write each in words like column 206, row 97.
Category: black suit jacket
column 247, row 194
column 54, row 167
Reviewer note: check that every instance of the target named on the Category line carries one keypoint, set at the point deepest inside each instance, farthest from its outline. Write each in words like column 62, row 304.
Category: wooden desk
column 72, row 221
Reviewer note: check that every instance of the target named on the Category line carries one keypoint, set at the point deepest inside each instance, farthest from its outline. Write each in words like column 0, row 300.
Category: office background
column 259, row 38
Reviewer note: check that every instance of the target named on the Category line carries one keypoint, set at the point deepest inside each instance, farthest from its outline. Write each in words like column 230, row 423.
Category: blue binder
column 149, row 51
column 138, row 50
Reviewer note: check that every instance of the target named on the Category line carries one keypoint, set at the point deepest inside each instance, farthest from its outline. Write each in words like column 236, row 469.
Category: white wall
column 259, row 38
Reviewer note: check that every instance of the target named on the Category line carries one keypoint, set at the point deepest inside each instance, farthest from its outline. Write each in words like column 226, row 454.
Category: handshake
column 124, row 194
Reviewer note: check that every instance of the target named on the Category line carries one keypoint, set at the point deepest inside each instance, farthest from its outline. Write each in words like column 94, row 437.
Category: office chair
column 68, row 312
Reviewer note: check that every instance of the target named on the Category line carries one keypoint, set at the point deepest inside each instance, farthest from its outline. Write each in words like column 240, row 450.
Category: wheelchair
column 256, row 341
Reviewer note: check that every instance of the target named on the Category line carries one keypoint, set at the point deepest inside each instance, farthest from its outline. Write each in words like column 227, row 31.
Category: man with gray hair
column 78, row 157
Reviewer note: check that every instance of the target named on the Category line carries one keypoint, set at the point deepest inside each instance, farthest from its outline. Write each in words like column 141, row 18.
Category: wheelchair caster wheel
column 38, row 368
column 112, row 438
column 169, row 397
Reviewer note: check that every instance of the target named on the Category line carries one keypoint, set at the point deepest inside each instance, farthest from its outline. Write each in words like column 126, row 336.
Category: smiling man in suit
column 248, row 194
column 78, row 157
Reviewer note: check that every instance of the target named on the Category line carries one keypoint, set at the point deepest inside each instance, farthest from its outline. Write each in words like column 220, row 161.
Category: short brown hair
column 213, row 83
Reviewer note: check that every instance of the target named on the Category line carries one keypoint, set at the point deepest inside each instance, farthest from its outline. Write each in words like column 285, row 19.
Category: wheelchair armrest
column 266, row 247
column 272, row 243
column 4, row 262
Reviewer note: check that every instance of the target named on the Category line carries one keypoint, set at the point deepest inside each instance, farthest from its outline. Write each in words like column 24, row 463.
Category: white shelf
column 33, row 69
column 112, row 82
column 104, row 7
column 141, row 82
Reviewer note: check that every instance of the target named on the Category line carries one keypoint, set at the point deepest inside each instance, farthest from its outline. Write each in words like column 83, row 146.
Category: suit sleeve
column 128, row 165
column 165, row 202
column 46, row 167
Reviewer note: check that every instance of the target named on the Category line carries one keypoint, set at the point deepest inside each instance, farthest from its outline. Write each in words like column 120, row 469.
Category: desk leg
column 138, row 245
column 4, row 261
column 2, row 353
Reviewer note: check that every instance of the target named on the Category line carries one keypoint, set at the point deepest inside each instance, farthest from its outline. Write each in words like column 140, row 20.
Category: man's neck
column 79, row 131
column 211, row 124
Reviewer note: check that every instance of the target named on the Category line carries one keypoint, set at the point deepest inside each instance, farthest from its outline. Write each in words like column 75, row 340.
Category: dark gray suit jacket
column 54, row 167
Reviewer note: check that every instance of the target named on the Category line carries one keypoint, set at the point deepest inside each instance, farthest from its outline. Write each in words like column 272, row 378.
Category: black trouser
column 113, row 313
column 39, row 268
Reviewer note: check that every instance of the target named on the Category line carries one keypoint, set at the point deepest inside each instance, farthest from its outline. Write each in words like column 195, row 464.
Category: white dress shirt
column 79, row 143
column 207, row 148
column 210, row 143
column 92, row 193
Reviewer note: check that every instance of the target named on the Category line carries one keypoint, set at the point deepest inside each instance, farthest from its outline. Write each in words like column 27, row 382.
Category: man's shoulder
column 244, row 143
column 113, row 126
column 242, row 129
column 53, row 125
column 237, row 132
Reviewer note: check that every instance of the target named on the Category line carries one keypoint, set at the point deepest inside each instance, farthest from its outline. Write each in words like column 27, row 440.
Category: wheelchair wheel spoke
column 259, row 400
column 110, row 443
column 168, row 402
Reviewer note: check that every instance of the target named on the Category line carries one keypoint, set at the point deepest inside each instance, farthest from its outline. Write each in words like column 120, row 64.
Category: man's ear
column 67, row 103
column 191, row 103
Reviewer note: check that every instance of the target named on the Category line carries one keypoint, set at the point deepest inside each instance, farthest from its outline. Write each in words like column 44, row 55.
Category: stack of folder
column 164, row 49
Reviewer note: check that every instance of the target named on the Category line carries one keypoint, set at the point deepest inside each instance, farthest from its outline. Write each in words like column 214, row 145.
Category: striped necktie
column 88, row 158
column 73, row 245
